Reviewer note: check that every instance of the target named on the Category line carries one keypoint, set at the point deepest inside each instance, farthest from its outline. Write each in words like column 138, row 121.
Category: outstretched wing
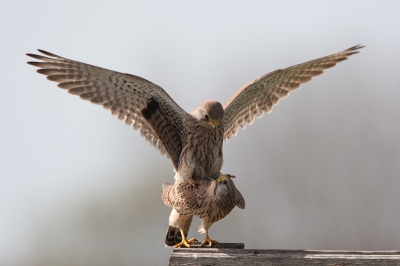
column 259, row 96
column 142, row 104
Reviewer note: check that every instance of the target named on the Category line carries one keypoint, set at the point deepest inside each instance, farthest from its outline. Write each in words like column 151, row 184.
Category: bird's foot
column 223, row 177
column 208, row 241
column 192, row 182
column 185, row 243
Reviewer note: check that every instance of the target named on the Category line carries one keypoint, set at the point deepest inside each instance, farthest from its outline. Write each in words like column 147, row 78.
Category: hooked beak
column 214, row 124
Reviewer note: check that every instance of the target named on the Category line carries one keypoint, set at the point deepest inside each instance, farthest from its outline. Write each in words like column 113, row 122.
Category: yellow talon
column 185, row 243
column 208, row 241
column 192, row 182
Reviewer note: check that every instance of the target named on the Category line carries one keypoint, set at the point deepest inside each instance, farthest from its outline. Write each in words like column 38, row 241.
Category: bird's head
column 226, row 190
column 224, row 185
column 210, row 113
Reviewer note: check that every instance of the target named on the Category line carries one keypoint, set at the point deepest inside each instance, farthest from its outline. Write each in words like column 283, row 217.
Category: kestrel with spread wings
column 193, row 141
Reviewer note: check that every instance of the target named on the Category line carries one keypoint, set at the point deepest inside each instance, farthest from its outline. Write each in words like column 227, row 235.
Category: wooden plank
column 216, row 256
column 217, row 245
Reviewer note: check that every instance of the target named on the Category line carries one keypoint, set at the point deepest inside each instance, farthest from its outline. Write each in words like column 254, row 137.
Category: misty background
column 322, row 171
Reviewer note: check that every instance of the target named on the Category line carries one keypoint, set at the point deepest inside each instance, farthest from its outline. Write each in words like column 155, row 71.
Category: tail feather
column 174, row 236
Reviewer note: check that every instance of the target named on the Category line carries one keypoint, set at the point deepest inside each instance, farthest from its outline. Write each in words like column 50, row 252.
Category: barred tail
column 174, row 236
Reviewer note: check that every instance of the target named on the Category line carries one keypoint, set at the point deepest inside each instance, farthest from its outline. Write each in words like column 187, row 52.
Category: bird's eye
column 206, row 117
column 224, row 182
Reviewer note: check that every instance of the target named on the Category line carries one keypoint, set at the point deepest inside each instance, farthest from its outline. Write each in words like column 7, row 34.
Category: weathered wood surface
column 216, row 256
column 217, row 245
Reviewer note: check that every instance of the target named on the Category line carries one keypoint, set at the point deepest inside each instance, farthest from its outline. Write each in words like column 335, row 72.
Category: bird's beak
column 214, row 124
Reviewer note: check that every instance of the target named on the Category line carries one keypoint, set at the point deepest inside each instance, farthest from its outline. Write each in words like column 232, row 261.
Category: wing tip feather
column 48, row 53
column 356, row 47
column 52, row 77
column 33, row 63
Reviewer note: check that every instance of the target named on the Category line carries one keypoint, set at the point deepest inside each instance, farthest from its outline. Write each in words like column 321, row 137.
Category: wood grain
column 218, row 256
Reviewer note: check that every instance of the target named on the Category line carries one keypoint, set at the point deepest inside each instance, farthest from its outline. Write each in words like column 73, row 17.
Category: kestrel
column 210, row 200
column 193, row 141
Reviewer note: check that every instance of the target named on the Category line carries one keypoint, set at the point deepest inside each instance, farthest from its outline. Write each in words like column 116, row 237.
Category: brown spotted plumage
column 192, row 141
column 210, row 200
column 260, row 95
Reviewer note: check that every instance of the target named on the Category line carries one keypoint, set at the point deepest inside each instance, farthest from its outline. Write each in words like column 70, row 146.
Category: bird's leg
column 192, row 182
column 185, row 242
column 208, row 240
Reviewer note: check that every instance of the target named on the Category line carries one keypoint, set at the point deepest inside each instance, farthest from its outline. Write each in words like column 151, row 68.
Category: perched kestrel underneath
column 210, row 200
column 192, row 141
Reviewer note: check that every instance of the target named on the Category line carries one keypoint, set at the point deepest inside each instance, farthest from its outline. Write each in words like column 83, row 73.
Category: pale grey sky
column 322, row 171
